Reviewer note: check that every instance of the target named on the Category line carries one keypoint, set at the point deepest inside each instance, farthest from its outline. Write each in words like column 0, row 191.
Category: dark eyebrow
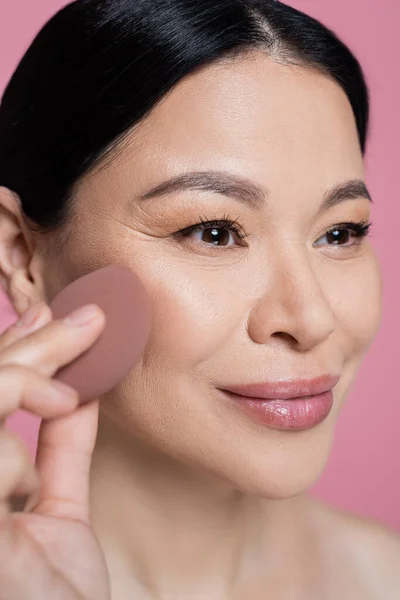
column 219, row 182
column 246, row 191
column 348, row 190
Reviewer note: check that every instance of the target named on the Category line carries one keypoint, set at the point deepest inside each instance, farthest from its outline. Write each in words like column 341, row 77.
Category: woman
column 259, row 271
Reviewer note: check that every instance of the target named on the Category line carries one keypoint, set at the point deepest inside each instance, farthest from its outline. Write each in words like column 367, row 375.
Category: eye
column 345, row 234
column 216, row 232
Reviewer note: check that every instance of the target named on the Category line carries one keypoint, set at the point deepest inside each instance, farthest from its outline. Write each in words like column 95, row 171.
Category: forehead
column 253, row 97
column 281, row 125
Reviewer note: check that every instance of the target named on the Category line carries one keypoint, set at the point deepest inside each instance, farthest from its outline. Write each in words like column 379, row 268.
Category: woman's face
column 286, row 302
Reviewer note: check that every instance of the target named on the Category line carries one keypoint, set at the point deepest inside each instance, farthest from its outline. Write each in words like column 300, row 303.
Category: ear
column 16, row 254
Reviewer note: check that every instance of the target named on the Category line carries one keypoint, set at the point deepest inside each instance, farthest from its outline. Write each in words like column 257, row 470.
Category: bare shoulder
column 368, row 551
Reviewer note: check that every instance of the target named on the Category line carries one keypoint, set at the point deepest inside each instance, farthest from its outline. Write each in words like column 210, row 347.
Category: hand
column 48, row 552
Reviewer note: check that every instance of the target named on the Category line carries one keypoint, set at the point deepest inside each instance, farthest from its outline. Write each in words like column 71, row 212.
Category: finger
column 40, row 315
column 54, row 345
column 24, row 388
column 17, row 473
column 64, row 454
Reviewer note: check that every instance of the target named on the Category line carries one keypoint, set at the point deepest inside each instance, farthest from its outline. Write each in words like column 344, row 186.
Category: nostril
column 287, row 337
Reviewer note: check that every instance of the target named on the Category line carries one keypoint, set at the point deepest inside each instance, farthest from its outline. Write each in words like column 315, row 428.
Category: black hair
column 98, row 67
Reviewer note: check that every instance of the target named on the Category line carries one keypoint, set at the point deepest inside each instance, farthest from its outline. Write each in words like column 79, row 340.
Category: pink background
column 363, row 471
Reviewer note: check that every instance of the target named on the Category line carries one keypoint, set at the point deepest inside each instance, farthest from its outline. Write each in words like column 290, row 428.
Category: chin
column 277, row 469
column 279, row 487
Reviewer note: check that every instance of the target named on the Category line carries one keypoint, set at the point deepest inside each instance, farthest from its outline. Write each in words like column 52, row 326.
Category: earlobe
column 20, row 292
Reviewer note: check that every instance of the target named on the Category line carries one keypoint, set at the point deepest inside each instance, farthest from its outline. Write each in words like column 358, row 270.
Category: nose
column 294, row 308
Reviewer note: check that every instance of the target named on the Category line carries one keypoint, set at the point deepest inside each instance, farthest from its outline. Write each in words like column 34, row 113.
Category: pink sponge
column 123, row 299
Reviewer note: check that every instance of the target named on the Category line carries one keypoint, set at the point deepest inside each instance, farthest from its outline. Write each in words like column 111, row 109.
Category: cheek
column 195, row 312
column 194, row 316
column 356, row 298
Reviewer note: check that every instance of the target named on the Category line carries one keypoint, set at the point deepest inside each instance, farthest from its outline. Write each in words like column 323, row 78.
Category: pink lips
column 296, row 404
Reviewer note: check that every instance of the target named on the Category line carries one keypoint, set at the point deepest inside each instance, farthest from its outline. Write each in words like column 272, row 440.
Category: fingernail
column 30, row 315
column 83, row 316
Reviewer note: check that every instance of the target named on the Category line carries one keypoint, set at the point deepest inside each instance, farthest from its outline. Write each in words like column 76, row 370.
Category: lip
column 285, row 390
column 293, row 414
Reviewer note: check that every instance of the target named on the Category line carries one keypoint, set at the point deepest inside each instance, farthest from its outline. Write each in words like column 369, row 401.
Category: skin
column 175, row 468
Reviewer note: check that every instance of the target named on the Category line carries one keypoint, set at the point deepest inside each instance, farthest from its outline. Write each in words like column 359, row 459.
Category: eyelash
column 360, row 229
column 225, row 223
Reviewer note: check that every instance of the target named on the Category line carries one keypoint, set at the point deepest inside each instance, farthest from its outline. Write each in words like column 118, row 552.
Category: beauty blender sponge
column 121, row 296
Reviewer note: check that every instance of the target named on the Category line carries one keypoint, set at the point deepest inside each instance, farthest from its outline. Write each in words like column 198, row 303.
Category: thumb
column 63, row 458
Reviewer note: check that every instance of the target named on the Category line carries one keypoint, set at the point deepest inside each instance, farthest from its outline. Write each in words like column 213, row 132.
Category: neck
column 167, row 529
